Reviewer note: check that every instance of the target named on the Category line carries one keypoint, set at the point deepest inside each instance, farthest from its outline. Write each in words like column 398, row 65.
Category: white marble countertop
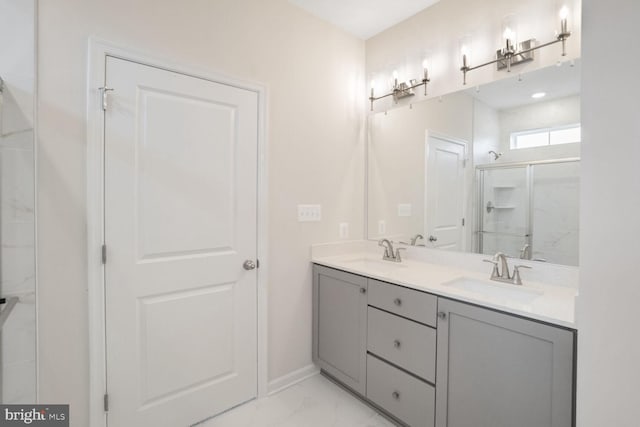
column 545, row 302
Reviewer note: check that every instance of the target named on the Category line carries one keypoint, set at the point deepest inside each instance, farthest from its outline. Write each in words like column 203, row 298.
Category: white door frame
column 431, row 134
column 99, row 50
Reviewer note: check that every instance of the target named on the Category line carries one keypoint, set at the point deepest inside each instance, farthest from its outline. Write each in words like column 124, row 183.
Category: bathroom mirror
column 486, row 169
column 17, row 203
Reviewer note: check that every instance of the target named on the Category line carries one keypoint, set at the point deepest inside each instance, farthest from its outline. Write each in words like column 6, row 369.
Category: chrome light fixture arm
column 510, row 55
column 402, row 90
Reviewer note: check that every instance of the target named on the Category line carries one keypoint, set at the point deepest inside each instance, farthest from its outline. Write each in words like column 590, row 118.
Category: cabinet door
column 497, row 370
column 340, row 326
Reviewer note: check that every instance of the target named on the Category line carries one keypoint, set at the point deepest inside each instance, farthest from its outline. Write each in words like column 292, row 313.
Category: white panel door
column 445, row 193
column 180, row 220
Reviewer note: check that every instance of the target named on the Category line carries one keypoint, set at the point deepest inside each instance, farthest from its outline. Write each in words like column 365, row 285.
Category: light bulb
column 395, row 74
column 510, row 35
column 564, row 12
column 424, row 64
column 510, row 31
column 373, row 84
column 564, row 28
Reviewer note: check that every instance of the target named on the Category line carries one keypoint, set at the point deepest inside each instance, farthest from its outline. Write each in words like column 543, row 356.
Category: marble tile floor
column 314, row 402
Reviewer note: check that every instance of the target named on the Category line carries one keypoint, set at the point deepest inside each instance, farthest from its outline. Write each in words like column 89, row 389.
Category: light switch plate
column 404, row 209
column 382, row 227
column 309, row 213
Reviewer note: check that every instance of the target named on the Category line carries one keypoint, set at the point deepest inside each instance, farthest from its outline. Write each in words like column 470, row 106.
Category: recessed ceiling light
column 538, row 95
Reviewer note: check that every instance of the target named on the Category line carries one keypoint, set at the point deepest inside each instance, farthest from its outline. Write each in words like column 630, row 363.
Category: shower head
column 496, row 156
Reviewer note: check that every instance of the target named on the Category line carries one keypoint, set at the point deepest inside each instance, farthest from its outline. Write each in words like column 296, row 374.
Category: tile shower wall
column 17, row 219
column 556, row 198
column 17, row 266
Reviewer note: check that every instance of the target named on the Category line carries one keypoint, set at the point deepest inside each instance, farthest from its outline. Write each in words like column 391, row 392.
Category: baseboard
column 292, row 378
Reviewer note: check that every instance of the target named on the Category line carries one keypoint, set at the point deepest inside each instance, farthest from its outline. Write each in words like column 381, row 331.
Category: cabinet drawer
column 402, row 395
column 404, row 343
column 416, row 305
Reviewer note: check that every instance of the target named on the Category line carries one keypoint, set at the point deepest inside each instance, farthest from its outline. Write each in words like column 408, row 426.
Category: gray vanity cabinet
column 340, row 326
column 497, row 370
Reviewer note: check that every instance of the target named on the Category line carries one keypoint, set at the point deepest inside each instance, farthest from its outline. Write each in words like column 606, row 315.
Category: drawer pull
column 363, row 290
column 396, row 395
column 442, row 315
column 397, row 302
column 396, row 344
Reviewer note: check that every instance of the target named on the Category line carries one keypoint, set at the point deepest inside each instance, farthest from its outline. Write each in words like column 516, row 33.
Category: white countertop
column 548, row 302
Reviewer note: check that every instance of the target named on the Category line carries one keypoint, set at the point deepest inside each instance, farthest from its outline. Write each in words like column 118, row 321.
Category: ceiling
column 364, row 18
column 556, row 82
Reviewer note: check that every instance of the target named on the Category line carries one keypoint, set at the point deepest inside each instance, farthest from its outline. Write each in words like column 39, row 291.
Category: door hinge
column 463, row 222
column 106, row 403
column 104, row 254
column 464, row 161
column 103, row 91
column 257, row 263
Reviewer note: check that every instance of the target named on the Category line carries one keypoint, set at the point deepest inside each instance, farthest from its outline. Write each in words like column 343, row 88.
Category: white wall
column 439, row 28
column 17, row 219
column 556, row 112
column 607, row 308
column 314, row 75
column 486, row 133
column 396, row 160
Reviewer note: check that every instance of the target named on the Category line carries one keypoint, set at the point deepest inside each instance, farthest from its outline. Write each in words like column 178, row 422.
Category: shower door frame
column 481, row 169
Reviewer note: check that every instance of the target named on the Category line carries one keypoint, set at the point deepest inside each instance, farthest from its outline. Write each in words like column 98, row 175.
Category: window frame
column 546, row 130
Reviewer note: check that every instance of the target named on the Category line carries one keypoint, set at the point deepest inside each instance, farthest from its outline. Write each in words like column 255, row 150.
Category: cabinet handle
column 397, row 302
column 396, row 395
column 396, row 344
column 442, row 315
column 363, row 290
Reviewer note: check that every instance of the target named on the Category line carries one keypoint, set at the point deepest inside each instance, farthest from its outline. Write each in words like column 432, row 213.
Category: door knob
column 249, row 265
column 433, row 239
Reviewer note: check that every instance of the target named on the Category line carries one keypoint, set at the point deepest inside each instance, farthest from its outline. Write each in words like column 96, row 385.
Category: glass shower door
column 555, row 221
column 503, row 215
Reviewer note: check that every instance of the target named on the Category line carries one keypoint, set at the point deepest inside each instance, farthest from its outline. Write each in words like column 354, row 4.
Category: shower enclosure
column 529, row 210
column 17, row 203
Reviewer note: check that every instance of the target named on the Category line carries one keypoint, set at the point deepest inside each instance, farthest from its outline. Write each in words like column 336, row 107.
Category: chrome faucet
column 525, row 252
column 389, row 253
column 501, row 274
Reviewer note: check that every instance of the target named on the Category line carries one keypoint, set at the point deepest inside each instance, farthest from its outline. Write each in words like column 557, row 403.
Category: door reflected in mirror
column 495, row 168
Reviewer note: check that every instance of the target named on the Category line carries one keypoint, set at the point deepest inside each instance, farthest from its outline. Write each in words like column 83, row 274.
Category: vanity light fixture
column 403, row 89
column 514, row 53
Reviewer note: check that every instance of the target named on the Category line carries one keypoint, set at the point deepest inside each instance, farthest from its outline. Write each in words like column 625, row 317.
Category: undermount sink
column 495, row 290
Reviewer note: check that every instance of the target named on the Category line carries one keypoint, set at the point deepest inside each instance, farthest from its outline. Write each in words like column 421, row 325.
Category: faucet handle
column 494, row 273
column 397, row 254
column 516, row 273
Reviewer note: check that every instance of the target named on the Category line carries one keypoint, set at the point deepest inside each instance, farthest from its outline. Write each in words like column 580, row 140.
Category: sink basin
column 496, row 290
column 374, row 265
